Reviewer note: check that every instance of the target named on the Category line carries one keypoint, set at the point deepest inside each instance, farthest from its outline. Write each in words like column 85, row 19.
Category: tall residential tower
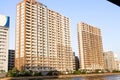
column 42, row 38
column 4, row 32
column 90, row 47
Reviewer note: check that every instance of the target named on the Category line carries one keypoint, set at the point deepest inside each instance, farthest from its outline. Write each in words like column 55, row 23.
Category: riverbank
column 60, row 76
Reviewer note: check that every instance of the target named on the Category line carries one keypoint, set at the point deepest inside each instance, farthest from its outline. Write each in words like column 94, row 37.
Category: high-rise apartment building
column 42, row 38
column 11, row 59
column 109, row 60
column 90, row 47
column 4, row 30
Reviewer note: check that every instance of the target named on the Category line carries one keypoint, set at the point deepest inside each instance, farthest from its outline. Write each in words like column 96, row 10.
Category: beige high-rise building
column 90, row 47
column 4, row 34
column 109, row 60
column 42, row 38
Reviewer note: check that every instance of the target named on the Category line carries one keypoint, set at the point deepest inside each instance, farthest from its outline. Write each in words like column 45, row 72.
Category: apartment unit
column 11, row 59
column 42, row 38
column 4, row 30
column 90, row 47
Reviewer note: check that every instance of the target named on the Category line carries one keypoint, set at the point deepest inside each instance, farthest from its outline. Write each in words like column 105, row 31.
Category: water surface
column 115, row 77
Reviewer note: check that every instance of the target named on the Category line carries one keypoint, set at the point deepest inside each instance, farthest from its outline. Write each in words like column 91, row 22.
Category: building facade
column 74, row 64
column 77, row 63
column 4, row 31
column 42, row 38
column 117, row 63
column 11, row 59
column 109, row 60
column 90, row 47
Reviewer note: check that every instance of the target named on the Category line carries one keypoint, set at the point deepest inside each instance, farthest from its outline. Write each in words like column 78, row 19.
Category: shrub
column 24, row 73
column 76, row 72
column 13, row 73
column 37, row 74
column 115, row 71
column 50, row 73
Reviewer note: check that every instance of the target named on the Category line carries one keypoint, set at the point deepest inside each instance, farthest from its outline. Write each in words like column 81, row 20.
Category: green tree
column 13, row 73
column 76, row 72
column 25, row 73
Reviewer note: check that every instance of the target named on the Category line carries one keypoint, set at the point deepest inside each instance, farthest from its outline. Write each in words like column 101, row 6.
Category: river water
column 115, row 77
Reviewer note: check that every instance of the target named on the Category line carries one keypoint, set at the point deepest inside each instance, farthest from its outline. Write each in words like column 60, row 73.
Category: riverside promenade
column 60, row 76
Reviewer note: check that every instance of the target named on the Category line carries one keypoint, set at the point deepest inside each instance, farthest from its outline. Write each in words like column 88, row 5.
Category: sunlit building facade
column 90, row 47
column 111, row 61
column 42, row 38
column 4, row 34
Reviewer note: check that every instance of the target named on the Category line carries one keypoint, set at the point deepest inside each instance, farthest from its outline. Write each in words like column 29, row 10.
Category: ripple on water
column 114, row 77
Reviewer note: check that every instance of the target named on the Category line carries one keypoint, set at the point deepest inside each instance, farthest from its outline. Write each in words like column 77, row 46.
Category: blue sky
column 99, row 13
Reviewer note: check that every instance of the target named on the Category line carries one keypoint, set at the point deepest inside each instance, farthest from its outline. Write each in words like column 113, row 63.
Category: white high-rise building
column 109, row 60
column 4, row 31
column 42, row 38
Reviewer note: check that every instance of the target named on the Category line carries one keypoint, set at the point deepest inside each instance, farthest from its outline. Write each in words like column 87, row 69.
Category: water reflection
column 116, row 77
column 93, row 78
column 78, row 78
